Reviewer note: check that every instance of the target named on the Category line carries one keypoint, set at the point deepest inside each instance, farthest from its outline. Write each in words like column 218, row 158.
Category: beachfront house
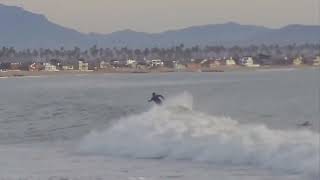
column 316, row 61
column 131, row 63
column 15, row 66
column 4, row 66
column 230, row 62
column 141, row 65
column 156, row 63
column 115, row 63
column 50, row 67
column 214, row 63
column 196, row 65
column 104, row 65
column 67, row 67
column 83, row 66
column 35, row 67
column 248, row 62
column 203, row 61
column 297, row 61
column 169, row 63
column 207, row 64
column 179, row 67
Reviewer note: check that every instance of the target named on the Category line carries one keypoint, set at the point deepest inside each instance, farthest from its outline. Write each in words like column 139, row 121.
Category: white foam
column 175, row 131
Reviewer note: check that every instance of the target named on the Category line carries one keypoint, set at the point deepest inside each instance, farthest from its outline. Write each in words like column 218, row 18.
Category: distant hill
column 23, row 29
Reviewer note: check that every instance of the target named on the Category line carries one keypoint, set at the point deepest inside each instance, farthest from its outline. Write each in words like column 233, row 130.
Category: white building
column 317, row 61
column 83, row 66
column 230, row 62
column 67, row 67
column 115, row 62
column 104, row 65
column 156, row 63
column 248, row 62
column 131, row 62
column 50, row 67
column 178, row 66
column 297, row 61
column 204, row 61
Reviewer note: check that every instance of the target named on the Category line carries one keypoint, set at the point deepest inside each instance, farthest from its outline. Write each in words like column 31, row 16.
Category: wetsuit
column 156, row 98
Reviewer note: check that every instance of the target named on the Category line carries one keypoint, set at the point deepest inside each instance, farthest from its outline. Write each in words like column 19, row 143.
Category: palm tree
column 94, row 51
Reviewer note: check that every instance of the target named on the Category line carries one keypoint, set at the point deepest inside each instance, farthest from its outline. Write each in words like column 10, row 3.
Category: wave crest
column 175, row 131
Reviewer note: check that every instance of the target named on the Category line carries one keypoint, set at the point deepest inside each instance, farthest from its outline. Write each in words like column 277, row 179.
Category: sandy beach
column 5, row 74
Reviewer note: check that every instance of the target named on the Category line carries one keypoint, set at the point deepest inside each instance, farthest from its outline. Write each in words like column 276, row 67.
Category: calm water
column 52, row 110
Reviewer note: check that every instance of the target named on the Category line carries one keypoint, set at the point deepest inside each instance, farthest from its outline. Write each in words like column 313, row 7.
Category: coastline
column 221, row 69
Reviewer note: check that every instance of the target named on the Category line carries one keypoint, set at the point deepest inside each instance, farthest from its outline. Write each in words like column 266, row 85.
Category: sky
column 105, row 16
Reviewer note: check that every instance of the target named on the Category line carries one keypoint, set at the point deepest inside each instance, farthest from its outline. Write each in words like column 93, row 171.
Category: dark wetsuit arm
column 161, row 97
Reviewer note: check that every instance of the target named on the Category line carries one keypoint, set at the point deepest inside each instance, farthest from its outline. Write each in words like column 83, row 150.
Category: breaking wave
column 175, row 131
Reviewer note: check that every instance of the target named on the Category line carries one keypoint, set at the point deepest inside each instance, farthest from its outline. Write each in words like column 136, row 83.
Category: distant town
column 175, row 59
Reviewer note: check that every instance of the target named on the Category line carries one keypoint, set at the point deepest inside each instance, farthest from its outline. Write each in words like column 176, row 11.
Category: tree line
column 181, row 53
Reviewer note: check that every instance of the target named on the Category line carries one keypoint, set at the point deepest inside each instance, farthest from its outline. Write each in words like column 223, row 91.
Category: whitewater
column 211, row 126
column 175, row 131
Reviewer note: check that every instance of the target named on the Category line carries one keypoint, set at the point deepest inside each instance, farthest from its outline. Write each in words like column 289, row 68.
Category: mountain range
column 23, row 29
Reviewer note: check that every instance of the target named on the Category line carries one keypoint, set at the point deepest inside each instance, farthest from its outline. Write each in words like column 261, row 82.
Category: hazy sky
column 105, row 16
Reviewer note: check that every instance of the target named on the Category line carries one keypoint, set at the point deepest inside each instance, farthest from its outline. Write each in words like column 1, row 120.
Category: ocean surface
column 234, row 125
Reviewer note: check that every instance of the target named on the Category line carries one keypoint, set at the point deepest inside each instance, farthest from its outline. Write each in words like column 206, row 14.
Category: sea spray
column 175, row 131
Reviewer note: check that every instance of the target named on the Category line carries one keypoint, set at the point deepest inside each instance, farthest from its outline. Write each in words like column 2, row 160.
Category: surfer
column 156, row 98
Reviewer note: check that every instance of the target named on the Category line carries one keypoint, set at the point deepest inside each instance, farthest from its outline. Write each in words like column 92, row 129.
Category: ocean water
column 235, row 125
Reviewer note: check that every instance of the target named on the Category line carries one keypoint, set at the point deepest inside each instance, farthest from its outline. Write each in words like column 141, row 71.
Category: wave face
column 175, row 131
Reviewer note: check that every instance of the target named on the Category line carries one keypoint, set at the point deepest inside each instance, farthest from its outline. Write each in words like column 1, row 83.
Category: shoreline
column 10, row 74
